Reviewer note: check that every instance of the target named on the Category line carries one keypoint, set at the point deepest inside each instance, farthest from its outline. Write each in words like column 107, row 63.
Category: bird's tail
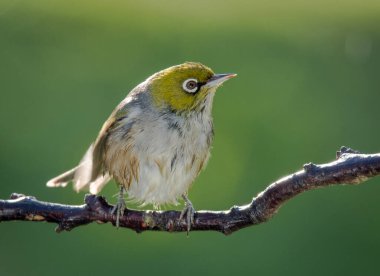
column 83, row 176
column 63, row 179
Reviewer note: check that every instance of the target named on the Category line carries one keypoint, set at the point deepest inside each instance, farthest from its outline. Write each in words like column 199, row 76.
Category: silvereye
column 155, row 142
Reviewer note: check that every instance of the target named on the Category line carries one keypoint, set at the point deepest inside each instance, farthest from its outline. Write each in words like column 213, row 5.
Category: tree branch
column 351, row 167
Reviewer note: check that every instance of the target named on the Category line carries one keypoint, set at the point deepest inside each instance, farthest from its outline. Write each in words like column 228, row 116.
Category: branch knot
column 344, row 150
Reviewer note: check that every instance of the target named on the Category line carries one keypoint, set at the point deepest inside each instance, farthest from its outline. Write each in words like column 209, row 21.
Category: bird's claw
column 119, row 207
column 189, row 212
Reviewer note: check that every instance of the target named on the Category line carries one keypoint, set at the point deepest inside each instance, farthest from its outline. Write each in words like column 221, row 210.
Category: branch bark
column 351, row 167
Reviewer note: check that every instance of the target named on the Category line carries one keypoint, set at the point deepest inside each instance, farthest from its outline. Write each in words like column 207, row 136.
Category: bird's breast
column 161, row 156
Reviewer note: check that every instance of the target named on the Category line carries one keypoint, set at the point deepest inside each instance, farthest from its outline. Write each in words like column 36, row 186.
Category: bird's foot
column 120, row 206
column 189, row 212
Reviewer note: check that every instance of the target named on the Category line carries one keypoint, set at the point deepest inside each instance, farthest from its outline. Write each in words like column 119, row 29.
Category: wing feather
column 91, row 173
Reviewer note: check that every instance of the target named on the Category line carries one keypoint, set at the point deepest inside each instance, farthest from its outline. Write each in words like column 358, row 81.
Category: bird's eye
column 190, row 85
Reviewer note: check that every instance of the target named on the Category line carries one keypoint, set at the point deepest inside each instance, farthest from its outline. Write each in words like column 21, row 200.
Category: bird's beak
column 217, row 79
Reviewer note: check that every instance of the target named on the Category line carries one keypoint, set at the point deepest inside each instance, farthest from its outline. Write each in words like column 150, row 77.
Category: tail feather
column 82, row 176
column 98, row 184
column 63, row 179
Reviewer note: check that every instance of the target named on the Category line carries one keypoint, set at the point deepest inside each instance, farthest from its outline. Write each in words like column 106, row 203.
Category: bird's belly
column 163, row 178
column 168, row 164
column 157, row 166
column 159, row 185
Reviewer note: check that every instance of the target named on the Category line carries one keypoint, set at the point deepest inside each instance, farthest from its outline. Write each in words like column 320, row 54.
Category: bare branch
column 351, row 167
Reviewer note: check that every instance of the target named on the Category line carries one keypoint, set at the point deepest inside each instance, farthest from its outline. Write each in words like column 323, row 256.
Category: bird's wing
column 90, row 172
column 100, row 144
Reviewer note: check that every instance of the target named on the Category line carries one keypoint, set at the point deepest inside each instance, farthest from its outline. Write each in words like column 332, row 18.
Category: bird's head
column 185, row 87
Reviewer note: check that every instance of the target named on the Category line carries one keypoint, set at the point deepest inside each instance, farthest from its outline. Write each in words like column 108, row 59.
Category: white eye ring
column 190, row 85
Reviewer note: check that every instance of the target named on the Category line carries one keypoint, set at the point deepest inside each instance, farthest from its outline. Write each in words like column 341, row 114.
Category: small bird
column 155, row 142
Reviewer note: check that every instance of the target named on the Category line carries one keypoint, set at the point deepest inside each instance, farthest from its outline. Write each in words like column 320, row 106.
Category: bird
column 155, row 142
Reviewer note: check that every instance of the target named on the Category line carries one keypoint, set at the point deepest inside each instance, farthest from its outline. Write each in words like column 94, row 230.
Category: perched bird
column 155, row 142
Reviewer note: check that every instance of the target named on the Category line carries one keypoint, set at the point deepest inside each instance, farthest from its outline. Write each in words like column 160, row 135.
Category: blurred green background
column 309, row 82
